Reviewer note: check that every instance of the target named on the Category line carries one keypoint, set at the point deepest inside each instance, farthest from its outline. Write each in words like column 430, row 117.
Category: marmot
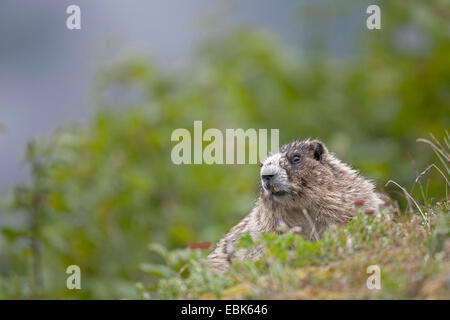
column 307, row 188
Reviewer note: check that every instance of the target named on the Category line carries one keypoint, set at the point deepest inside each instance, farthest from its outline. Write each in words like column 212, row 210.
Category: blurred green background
column 101, row 192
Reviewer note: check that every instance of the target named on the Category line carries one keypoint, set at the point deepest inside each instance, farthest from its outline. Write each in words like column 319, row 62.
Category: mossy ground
column 412, row 252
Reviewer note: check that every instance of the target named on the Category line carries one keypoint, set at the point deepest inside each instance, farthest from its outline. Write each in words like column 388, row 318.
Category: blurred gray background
column 47, row 71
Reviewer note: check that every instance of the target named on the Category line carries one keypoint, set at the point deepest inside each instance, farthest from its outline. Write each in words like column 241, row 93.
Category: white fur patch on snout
column 279, row 181
column 271, row 165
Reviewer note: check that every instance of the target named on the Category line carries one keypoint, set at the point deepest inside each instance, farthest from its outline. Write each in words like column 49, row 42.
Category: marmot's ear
column 319, row 150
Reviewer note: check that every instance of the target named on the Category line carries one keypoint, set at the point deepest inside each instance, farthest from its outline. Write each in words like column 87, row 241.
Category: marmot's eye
column 295, row 158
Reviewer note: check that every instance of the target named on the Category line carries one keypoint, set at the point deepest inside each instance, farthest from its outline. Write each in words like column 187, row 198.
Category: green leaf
column 12, row 234
column 157, row 270
column 159, row 249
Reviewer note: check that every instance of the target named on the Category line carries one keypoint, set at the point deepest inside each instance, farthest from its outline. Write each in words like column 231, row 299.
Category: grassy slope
column 413, row 259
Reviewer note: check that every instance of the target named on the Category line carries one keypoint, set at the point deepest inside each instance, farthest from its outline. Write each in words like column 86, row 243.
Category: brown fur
column 311, row 189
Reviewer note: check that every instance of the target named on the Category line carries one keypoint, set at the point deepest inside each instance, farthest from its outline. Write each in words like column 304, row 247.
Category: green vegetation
column 101, row 192
column 410, row 255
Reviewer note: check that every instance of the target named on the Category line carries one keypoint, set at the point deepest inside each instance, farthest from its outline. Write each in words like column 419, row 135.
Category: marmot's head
column 295, row 170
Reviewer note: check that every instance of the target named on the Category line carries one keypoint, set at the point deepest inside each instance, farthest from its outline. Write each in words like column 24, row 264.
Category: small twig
column 442, row 174
column 410, row 197
column 417, row 174
column 436, row 141
column 428, row 168
column 439, row 153
column 447, row 139
column 447, row 142
column 313, row 227
column 434, row 147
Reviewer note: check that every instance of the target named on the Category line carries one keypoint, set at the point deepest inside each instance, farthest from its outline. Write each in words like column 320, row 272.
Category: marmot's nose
column 267, row 177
